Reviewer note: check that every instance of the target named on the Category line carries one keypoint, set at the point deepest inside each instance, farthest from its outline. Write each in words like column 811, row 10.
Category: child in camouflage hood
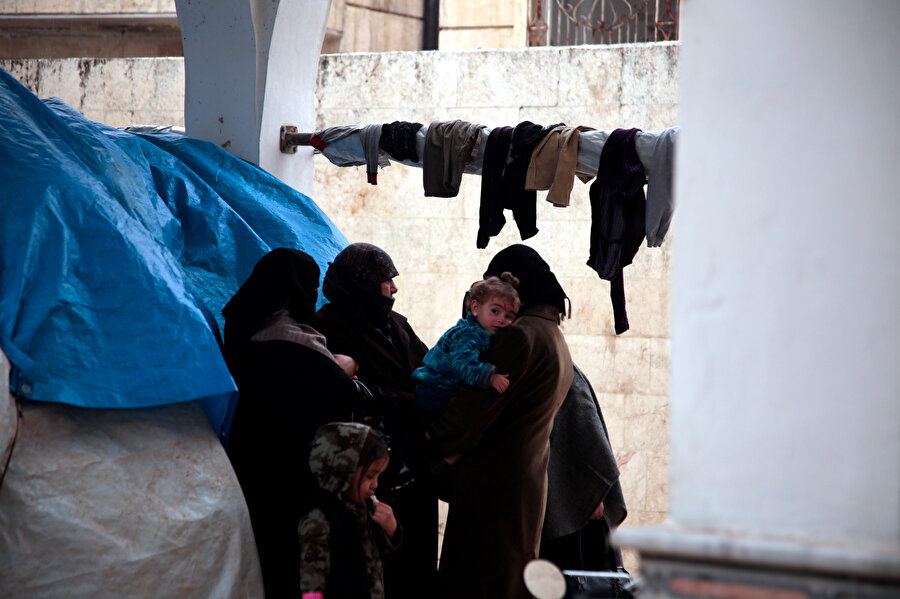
column 340, row 544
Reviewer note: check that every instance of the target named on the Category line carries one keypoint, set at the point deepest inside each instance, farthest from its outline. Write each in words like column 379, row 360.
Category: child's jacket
column 456, row 358
column 340, row 546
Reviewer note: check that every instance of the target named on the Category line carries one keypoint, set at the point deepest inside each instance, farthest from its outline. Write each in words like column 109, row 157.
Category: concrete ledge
column 674, row 542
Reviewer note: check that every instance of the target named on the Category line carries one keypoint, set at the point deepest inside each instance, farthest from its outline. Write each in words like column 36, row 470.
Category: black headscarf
column 353, row 283
column 283, row 279
column 537, row 283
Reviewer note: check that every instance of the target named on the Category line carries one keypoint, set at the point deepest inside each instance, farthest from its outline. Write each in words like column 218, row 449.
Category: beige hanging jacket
column 553, row 164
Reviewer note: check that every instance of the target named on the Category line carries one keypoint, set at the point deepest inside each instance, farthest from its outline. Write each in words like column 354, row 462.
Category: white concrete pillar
column 250, row 66
column 785, row 382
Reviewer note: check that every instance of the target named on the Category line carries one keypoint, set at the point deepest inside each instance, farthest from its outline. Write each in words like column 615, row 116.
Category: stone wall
column 432, row 240
column 115, row 91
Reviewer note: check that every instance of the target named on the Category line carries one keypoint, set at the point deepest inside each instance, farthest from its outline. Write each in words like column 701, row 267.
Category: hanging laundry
column 660, row 201
column 523, row 203
column 323, row 137
column 369, row 137
column 490, row 211
column 398, row 139
column 448, row 146
column 553, row 162
column 343, row 145
column 618, row 213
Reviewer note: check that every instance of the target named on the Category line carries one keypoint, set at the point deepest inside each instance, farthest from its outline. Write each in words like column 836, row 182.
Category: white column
column 785, row 382
column 250, row 66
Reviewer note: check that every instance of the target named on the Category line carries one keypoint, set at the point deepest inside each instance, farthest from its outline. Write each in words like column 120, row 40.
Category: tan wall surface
column 473, row 24
column 86, row 6
column 118, row 92
column 374, row 26
column 432, row 240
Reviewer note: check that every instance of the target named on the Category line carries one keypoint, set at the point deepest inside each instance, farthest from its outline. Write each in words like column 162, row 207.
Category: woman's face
column 388, row 289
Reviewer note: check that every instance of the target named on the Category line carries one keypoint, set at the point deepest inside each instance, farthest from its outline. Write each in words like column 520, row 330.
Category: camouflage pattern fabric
column 333, row 459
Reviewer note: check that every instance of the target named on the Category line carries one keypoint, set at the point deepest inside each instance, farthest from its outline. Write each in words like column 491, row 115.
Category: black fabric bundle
column 503, row 180
column 490, row 211
column 618, row 213
column 398, row 139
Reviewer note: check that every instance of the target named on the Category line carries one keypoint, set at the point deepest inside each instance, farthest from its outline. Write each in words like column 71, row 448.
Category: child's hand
column 346, row 363
column 384, row 517
column 500, row 382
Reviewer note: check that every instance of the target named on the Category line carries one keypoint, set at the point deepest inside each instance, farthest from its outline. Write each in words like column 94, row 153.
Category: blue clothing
column 454, row 359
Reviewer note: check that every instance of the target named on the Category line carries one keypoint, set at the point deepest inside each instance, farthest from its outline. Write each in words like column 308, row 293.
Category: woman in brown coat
column 499, row 483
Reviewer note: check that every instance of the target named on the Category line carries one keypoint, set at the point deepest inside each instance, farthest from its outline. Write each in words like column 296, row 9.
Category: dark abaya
column 359, row 321
column 287, row 391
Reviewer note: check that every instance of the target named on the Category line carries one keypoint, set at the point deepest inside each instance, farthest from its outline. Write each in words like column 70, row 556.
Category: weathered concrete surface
column 115, row 91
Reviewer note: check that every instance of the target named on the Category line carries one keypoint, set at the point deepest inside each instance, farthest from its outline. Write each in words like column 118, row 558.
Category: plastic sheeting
column 123, row 503
column 118, row 251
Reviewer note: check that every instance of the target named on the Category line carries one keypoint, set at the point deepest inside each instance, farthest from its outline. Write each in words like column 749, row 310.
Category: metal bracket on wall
column 290, row 138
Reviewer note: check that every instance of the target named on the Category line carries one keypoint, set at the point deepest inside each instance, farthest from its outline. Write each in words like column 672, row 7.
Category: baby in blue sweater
column 456, row 357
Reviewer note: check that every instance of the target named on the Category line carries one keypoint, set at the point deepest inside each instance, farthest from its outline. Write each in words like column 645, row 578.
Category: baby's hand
column 500, row 382
column 384, row 517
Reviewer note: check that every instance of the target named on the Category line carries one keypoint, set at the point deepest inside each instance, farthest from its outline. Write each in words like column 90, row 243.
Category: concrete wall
column 785, row 340
column 88, row 28
column 470, row 24
column 85, row 6
column 374, row 26
column 432, row 240
column 118, row 92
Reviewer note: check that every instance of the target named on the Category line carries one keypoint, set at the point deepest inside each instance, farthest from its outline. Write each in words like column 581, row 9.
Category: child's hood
column 334, row 455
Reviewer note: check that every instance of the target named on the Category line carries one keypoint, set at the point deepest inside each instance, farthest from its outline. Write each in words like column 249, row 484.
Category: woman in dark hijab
column 360, row 321
column 499, row 484
column 290, row 384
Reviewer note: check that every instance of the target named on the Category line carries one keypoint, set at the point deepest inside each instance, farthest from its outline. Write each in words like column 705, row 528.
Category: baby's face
column 494, row 314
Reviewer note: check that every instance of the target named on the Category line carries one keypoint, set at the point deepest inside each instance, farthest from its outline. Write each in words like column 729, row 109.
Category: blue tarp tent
column 118, row 251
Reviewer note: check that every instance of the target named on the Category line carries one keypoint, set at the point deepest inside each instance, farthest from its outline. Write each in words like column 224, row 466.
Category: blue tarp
column 118, row 251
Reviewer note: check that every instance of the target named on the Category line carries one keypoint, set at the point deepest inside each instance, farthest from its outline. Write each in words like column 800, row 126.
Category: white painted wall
column 250, row 66
column 785, row 384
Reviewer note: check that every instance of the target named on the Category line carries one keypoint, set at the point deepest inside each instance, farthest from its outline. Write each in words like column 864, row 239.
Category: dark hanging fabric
column 618, row 212
column 398, row 139
column 523, row 204
column 448, row 147
column 490, row 212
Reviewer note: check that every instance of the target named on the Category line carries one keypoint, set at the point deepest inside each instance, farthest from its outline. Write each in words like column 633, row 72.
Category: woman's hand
column 384, row 517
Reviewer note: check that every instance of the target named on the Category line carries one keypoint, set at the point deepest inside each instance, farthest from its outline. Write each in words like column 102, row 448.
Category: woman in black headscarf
column 290, row 384
column 360, row 321
column 499, row 483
